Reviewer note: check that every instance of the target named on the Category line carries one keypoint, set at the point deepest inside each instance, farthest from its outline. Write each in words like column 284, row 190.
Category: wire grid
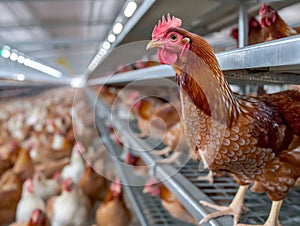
column 223, row 189
column 153, row 211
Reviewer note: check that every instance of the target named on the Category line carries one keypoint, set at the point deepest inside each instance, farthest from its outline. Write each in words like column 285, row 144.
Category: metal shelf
column 276, row 61
column 189, row 190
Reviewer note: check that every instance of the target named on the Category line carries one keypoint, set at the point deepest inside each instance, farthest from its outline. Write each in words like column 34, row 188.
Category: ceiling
column 68, row 34
column 64, row 34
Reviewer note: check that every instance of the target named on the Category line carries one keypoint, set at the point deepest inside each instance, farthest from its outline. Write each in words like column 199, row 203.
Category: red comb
column 116, row 187
column 263, row 8
column 163, row 25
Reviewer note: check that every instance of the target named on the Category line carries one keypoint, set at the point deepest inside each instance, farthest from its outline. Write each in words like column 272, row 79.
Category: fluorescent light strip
column 13, row 56
column 130, row 9
column 117, row 28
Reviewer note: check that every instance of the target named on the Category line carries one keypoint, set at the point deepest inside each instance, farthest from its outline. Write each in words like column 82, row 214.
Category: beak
column 154, row 44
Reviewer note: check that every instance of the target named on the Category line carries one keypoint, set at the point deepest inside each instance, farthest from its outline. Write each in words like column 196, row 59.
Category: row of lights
column 117, row 29
column 15, row 56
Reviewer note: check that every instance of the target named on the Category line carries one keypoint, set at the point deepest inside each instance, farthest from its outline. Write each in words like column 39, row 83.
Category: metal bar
column 281, row 57
column 156, row 72
column 243, row 25
column 281, row 52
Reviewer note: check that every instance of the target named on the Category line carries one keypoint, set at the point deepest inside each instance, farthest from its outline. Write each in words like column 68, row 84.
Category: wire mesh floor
column 153, row 211
column 224, row 188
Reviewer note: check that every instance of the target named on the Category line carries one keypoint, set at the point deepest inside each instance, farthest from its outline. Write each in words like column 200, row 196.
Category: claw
column 171, row 159
column 234, row 209
column 164, row 151
column 209, row 177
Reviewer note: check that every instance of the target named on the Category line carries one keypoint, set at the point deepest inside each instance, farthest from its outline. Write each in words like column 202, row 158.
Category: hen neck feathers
column 201, row 78
column 279, row 29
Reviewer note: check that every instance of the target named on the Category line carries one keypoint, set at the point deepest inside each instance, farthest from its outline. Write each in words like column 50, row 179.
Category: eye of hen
column 173, row 37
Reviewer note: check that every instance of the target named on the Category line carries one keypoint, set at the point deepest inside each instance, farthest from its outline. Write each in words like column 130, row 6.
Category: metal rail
column 280, row 58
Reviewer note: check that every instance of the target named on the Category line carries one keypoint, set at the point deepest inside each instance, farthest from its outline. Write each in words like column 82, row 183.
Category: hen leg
column 273, row 216
column 171, row 159
column 141, row 135
column 164, row 151
column 235, row 207
column 209, row 177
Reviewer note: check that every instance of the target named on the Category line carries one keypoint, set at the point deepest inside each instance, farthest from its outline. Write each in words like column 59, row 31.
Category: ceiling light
column 21, row 59
column 102, row 51
column 117, row 28
column 5, row 52
column 111, row 38
column 43, row 68
column 130, row 8
column 14, row 56
column 27, row 62
column 47, row 70
column 20, row 77
column 106, row 45
column 77, row 82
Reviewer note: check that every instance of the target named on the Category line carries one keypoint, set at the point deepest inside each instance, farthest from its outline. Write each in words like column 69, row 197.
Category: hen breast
column 255, row 147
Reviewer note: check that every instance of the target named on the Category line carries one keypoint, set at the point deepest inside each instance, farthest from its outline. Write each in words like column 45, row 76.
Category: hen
column 247, row 137
column 38, row 218
column 76, row 167
column 273, row 26
column 28, row 203
column 93, row 184
column 254, row 32
column 70, row 208
column 45, row 188
column 139, row 166
column 113, row 205
column 10, row 194
column 5, row 164
column 154, row 116
column 24, row 165
column 169, row 201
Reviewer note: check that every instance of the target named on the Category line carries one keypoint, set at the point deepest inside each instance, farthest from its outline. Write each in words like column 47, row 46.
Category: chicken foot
column 164, row 151
column 141, row 135
column 209, row 177
column 235, row 207
column 173, row 158
column 273, row 216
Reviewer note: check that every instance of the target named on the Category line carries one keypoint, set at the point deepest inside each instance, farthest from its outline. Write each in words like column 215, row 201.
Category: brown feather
column 248, row 137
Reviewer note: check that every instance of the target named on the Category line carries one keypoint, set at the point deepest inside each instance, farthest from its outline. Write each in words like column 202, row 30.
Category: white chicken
column 70, row 208
column 28, row 202
column 76, row 167
column 43, row 187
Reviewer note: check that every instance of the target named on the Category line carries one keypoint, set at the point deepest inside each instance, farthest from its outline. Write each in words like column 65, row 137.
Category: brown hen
column 154, row 116
column 247, row 137
column 93, row 184
column 254, row 32
column 10, row 194
column 169, row 201
column 273, row 26
column 38, row 218
column 113, row 211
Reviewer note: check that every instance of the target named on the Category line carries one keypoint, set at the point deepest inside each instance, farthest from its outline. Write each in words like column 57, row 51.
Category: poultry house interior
column 146, row 113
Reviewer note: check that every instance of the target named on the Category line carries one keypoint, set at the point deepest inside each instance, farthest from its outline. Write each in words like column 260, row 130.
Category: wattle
column 166, row 57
